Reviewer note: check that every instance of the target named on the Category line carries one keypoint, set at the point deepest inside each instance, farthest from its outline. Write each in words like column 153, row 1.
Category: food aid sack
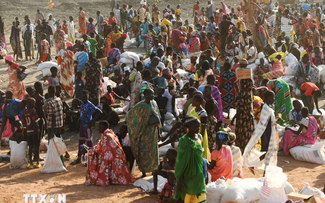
column 146, row 183
column 47, row 64
column 44, row 145
column 280, row 129
column 163, row 150
column 59, row 144
column 18, row 154
column 274, row 184
column 242, row 191
column 215, row 190
column 313, row 154
column 318, row 194
column 322, row 73
column 290, row 59
column 125, row 60
column 53, row 163
column 130, row 55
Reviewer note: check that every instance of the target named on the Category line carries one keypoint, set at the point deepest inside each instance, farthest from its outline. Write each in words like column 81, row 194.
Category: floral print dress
column 107, row 162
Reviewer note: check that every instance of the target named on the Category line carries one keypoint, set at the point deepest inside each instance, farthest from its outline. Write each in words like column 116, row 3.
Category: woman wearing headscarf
column 16, row 86
column 195, row 44
column 59, row 39
column 244, row 115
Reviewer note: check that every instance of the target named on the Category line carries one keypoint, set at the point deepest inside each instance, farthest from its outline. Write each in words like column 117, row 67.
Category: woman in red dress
column 107, row 162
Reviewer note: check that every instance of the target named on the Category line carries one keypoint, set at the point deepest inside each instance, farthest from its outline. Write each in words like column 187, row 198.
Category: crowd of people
column 219, row 41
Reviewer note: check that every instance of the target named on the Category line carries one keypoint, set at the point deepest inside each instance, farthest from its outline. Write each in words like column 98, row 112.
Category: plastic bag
column 18, row 154
column 215, row 190
column 59, row 144
column 274, row 183
column 314, row 154
column 53, row 163
column 47, row 64
column 130, row 55
column 308, row 190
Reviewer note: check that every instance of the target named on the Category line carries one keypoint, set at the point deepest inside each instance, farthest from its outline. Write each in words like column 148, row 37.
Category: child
column 29, row 119
column 178, row 10
column 167, row 164
column 317, row 56
column 295, row 114
column 79, row 85
column 123, row 137
column 53, row 80
column 87, row 109
column 65, row 27
column 221, row 159
column 93, row 42
column 109, row 97
column 237, row 166
column 186, row 172
column 168, row 191
column 161, row 102
column 90, row 26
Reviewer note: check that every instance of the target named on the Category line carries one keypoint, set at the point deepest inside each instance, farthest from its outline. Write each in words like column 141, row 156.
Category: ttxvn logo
column 45, row 198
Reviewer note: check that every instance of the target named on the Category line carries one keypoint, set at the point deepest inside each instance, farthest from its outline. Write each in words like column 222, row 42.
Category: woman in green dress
column 144, row 131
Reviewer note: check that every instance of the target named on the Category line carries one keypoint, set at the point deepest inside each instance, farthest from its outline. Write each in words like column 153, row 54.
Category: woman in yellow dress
column 112, row 37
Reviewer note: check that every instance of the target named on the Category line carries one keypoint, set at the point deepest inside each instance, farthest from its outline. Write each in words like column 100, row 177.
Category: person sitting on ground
column 110, row 96
column 166, row 194
column 311, row 93
column 237, row 166
column 168, row 164
column 53, row 80
column 303, row 134
column 221, row 159
column 295, row 114
column 123, row 137
column 107, row 160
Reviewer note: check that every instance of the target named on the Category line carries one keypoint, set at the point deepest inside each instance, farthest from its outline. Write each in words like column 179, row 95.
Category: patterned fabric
column 15, row 41
column 250, row 158
column 67, row 72
column 111, row 37
column 308, row 136
column 45, row 46
column 15, row 85
column 113, row 53
column 93, row 78
column 54, row 107
column 200, row 114
column 59, row 39
column 245, row 119
column 135, row 78
column 195, row 45
column 82, row 22
column 211, row 130
column 166, row 193
column 276, row 72
column 107, row 162
column 258, row 72
column 228, row 91
column 224, row 163
column 237, row 165
column 82, row 58
column 144, row 137
column 283, row 103
column 90, row 28
column 86, row 112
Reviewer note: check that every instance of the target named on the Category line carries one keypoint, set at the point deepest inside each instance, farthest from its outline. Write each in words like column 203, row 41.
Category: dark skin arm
column 98, row 113
column 215, row 110
column 316, row 104
column 211, row 164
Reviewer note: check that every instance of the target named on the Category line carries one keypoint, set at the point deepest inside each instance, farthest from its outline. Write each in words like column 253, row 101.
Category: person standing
column 82, row 21
column 45, row 49
column 143, row 134
column 67, row 70
column 59, row 39
column 32, row 28
column 2, row 33
column 93, row 77
column 39, row 16
column 135, row 83
column 27, row 36
column 99, row 23
column 54, row 115
column 39, row 105
column 117, row 14
column 15, row 40
column 71, row 32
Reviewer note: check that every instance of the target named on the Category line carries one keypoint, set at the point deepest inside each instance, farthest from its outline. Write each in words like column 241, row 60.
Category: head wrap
column 124, row 35
column 9, row 58
column 222, row 137
column 68, row 44
column 303, row 53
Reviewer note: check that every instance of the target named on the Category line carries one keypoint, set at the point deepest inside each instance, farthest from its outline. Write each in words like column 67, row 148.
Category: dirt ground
column 15, row 183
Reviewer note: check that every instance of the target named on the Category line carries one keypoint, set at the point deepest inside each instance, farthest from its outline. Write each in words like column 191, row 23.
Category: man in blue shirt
column 13, row 107
column 306, row 6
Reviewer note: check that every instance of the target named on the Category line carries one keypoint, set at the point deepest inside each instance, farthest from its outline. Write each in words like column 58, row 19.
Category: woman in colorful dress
column 189, row 170
column 228, row 87
column 195, row 44
column 277, row 69
column 304, row 135
column 144, row 136
column 283, row 103
column 82, row 21
column 59, row 39
column 244, row 115
column 112, row 37
column 67, row 70
column 15, row 40
column 113, row 52
column 93, row 77
column 201, row 75
column 135, row 79
column 261, row 69
column 2, row 33
column 16, row 86
column 107, row 161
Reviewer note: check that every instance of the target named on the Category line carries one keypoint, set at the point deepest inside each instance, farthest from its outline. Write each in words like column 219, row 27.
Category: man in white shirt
column 32, row 28
column 71, row 32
